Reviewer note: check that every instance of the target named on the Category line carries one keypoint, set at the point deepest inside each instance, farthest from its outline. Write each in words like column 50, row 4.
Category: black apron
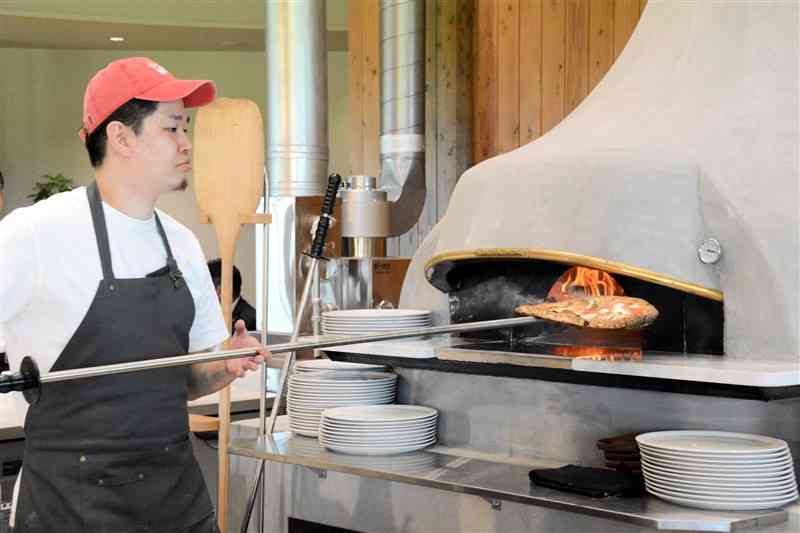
column 112, row 454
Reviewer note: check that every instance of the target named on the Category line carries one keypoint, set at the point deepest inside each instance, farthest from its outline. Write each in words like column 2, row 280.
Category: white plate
column 713, row 458
column 341, row 376
column 413, row 426
column 333, row 398
column 365, row 435
column 376, row 441
column 323, row 398
column 328, row 388
column 328, row 329
column 371, row 331
column 691, row 492
column 367, row 446
column 307, row 430
column 319, row 410
column 716, row 474
column 386, row 450
column 373, row 323
column 383, row 429
column 375, row 316
column 686, row 467
column 723, row 505
column 317, row 365
column 303, row 424
column 324, row 438
column 711, row 442
column 380, row 413
column 304, row 432
column 327, row 393
column 319, row 407
column 381, row 435
column 372, row 313
column 304, row 419
column 710, row 463
column 788, row 482
column 357, row 323
column 309, row 412
column 324, row 392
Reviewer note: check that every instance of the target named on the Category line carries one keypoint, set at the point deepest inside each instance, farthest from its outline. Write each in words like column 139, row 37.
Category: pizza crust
column 601, row 312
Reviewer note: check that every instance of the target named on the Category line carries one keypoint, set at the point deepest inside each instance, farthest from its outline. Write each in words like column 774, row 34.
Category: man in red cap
column 97, row 276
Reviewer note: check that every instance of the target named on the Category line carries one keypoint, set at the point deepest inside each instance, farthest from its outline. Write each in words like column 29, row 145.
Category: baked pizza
column 601, row 312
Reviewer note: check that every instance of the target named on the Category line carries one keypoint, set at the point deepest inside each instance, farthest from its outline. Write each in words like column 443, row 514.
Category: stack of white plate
column 410, row 463
column 312, row 392
column 378, row 429
column 718, row 470
column 366, row 321
column 318, row 365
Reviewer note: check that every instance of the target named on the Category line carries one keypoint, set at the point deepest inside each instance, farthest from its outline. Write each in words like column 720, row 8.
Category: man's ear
column 121, row 139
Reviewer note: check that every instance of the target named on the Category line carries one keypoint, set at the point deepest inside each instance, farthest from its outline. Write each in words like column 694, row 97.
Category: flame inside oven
column 580, row 282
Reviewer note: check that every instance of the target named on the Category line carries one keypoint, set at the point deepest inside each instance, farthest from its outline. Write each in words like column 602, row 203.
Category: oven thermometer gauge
column 710, row 251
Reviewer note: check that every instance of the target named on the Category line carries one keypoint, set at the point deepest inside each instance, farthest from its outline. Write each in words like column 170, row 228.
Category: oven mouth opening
column 482, row 287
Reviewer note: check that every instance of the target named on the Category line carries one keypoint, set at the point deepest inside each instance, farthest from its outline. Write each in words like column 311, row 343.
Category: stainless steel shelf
column 497, row 481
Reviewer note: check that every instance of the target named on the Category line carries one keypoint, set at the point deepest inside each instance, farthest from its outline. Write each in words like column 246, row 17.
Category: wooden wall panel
column 565, row 47
column 626, row 15
column 553, row 41
column 449, row 111
column 500, row 73
column 364, row 84
column 355, row 56
column 576, row 55
column 601, row 39
column 530, row 70
column 372, row 89
column 486, row 80
column 508, row 53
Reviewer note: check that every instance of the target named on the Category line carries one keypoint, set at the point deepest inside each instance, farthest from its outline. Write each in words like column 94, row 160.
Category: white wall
column 41, row 96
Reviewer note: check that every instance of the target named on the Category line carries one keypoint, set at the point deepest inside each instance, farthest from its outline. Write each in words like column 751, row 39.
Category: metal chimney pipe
column 297, row 102
column 403, row 110
column 297, row 143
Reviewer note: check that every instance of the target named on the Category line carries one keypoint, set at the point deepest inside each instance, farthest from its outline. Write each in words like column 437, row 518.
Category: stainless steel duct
column 297, row 101
column 403, row 110
column 297, row 142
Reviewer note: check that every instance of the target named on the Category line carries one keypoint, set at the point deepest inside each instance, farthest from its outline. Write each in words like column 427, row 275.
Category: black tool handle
column 334, row 181
column 26, row 378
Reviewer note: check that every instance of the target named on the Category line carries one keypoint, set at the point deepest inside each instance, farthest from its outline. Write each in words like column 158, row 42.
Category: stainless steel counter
column 496, row 481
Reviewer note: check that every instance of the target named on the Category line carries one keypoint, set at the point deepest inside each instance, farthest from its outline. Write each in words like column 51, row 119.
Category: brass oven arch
column 567, row 258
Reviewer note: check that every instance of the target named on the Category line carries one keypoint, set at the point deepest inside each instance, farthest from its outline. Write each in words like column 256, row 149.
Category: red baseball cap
column 142, row 78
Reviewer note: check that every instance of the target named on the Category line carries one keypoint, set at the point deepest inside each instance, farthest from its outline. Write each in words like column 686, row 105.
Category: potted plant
column 50, row 186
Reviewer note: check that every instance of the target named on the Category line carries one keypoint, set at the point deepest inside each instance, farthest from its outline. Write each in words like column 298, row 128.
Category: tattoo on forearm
column 207, row 378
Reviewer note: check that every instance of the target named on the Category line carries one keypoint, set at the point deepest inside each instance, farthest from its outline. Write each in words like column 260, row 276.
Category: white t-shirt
column 50, row 269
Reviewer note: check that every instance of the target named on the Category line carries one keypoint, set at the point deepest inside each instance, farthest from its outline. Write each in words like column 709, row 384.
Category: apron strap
column 101, row 234
column 174, row 272
column 100, row 231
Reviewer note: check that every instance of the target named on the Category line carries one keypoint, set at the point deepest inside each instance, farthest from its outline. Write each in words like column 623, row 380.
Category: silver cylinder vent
column 297, row 102
column 403, row 110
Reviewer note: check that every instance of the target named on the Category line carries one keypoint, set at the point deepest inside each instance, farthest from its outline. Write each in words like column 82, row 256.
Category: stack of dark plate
column 622, row 453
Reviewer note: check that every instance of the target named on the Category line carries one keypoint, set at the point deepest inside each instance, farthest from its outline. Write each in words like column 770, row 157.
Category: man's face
column 163, row 147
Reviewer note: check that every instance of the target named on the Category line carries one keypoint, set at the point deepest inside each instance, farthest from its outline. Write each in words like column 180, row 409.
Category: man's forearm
column 205, row 378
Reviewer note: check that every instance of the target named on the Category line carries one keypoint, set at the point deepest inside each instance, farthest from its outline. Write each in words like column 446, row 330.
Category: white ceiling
column 147, row 24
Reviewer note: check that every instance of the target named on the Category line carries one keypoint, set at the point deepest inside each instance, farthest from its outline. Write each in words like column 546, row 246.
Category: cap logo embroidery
column 158, row 68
